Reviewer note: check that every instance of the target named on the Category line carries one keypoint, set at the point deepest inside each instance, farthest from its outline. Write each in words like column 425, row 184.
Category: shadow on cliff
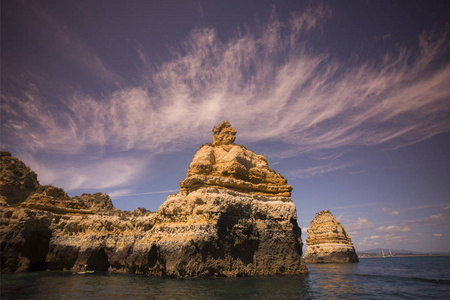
column 95, row 258
column 238, row 234
column 37, row 246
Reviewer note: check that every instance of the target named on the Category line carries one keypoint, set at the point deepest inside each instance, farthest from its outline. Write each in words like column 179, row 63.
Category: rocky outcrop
column 230, row 166
column 53, row 199
column 243, row 224
column 35, row 239
column 221, row 232
column 17, row 181
column 96, row 202
column 328, row 242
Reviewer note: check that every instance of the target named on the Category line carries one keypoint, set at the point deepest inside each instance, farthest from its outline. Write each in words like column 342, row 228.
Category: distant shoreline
column 403, row 255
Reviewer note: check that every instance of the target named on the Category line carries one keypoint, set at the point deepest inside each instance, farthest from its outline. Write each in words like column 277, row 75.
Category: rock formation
column 226, row 165
column 17, row 180
column 233, row 217
column 328, row 242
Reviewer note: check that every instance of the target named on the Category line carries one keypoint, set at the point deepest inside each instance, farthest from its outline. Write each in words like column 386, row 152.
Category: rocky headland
column 328, row 242
column 233, row 217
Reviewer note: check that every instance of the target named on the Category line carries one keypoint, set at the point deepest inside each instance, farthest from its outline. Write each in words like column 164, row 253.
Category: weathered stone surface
column 219, row 232
column 229, row 227
column 210, row 232
column 17, row 181
column 231, row 166
column 96, row 202
column 56, row 200
column 34, row 239
column 224, row 134
column 328, row 242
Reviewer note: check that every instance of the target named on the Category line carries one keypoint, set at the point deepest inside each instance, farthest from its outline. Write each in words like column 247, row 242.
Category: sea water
column 371, row 278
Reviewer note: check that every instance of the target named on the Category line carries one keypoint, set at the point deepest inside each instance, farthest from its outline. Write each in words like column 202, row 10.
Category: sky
column 349, row 100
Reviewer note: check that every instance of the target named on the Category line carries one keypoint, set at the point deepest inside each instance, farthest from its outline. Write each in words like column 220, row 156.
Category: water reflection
column 59, row 285
column 333, row 280
column 394, row 278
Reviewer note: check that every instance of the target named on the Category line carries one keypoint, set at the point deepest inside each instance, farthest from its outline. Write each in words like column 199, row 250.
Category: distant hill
column 378, row 251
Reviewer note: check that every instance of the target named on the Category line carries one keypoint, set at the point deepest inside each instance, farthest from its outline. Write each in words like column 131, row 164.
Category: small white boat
column 85, row 272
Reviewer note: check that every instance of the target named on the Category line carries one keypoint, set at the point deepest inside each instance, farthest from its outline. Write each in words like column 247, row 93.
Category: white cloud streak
column 110, row 172
column 394, row 212
column 433, row 219
column 390, row 238
column 127, row 193
column 316, row 170
column 407, row 225
column 393, row 228
column 360, row 224
column 270, row 84
column 370, row 240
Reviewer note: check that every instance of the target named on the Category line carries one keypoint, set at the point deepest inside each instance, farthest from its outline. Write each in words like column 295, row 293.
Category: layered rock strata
column 328, row 242
column 248, row 228
column 226, row 165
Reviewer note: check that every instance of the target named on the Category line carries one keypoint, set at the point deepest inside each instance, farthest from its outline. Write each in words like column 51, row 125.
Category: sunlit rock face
column 43, row 228
column 221, row 232
column 237, row 220
column 225, row 165
column 233, row 217
column 328, row 242
column 224, row 134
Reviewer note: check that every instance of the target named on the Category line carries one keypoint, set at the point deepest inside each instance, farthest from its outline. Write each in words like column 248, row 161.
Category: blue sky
column 350, row 100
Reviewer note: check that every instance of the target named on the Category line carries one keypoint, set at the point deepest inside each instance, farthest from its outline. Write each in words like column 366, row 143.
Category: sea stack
column 328, row 242
column 233, row 217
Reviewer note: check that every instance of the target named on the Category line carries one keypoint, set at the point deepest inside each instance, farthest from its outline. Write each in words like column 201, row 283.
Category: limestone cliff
column 17, row 180
column 236, row 220
column 328, row 242
column 221, row 232
column 231, row 166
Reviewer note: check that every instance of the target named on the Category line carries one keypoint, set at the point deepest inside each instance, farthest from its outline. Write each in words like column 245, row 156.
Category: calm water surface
column 371, row 278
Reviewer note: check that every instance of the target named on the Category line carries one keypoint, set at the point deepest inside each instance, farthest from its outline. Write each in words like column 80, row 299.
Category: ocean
column 424, row 277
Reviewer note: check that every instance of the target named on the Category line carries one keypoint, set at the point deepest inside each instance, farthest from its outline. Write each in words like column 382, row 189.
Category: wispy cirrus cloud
column 433, row 219
column 393, row 228
column 393, row 212
column 446, row 207
column 389, row 239
column 268, row 81
column 407, row 225
column 316, row 170
column 128, row 193
column 372, row 240
column 46, row 32
column 88, row 173
column 360, row 224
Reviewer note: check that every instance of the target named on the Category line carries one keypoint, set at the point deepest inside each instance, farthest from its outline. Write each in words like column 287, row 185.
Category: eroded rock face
column 53, row 199
column 38, row 240
column 239, row 225
column 224, row 134
column 17, row 181
column 220, row 232
column 96, row 202
column 231, row 166
column 328, row 242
